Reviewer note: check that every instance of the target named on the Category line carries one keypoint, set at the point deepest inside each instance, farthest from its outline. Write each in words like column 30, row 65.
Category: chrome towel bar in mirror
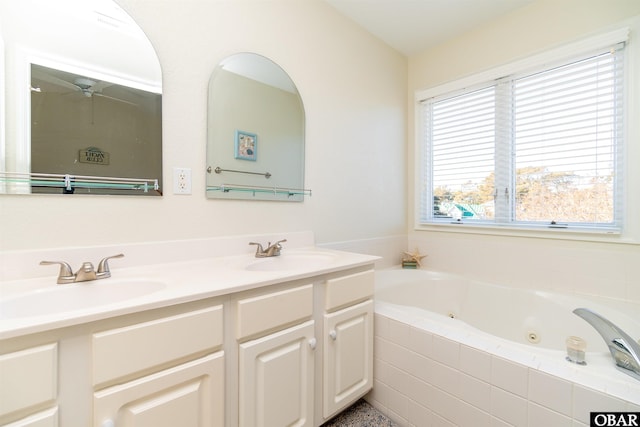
column 218, row 169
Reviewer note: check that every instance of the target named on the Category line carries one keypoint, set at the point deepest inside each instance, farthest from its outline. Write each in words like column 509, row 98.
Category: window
column 535, row 149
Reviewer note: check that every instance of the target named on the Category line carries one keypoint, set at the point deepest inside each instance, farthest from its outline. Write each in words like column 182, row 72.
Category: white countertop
column 183, row 281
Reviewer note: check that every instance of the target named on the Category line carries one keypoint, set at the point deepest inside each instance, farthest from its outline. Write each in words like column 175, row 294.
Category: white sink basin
column 296, row 261
column 75, row 296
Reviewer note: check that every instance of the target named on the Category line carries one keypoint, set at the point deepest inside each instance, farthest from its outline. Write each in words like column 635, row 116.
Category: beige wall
column 598, row 268
column 354, row 91
column 542, row 25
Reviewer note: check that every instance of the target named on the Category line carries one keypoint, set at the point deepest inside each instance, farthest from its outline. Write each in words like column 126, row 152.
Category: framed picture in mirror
column 246, row 145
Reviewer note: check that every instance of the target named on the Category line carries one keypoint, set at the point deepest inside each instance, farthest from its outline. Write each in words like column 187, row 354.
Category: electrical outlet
column 181, row 181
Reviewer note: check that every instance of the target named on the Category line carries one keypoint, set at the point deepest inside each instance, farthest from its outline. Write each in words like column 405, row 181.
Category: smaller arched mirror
column 255, row 141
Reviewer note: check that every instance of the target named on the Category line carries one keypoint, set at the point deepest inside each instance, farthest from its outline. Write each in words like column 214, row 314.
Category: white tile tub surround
column 424, row 376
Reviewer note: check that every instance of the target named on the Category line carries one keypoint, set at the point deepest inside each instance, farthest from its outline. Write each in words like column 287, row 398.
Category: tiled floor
column 360, row 414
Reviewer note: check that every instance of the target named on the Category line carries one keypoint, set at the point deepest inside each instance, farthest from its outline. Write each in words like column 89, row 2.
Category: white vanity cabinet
column 152, row 387
column 348, row 340
column 161, row 368
column 304, row 351
column 290, row 352
column 276, row 346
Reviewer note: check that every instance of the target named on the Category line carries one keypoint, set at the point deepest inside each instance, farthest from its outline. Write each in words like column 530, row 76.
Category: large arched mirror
column 255, row 141
column 83, row 100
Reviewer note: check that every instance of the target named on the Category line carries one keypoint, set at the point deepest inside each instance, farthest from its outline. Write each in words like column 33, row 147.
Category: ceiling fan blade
column 114, row 99
column 48, row 78
column 99, row 86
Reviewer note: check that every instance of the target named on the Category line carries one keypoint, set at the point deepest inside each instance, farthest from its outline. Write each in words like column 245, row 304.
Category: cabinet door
column 189, row 395
column 276, row 378
column 348, row 356
column 48, row 418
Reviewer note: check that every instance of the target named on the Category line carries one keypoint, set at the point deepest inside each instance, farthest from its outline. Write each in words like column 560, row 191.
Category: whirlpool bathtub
column 456, row 351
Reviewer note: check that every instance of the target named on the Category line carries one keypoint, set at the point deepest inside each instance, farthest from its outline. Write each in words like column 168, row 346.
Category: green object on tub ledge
column 409, row 264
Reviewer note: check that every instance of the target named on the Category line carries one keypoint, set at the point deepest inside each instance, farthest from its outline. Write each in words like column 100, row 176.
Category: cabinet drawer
column 28, row 378
column 125, row 351
column 348, row 289
column 274, row 310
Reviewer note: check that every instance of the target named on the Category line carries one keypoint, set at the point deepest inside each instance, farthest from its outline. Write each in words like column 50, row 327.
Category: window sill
column 573, row 234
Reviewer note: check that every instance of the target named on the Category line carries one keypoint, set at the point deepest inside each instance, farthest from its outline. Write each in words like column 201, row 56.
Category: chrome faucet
column 86, row 271
column 272, row 250
column 624, row 350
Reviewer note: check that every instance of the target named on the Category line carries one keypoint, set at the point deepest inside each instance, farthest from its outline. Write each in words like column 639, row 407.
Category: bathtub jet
column 624, row 350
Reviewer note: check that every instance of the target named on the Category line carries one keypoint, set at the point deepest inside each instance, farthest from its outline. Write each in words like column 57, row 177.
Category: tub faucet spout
column 624, row 349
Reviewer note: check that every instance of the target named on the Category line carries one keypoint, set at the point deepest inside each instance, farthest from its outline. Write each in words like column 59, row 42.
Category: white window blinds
column 462, row 134
column 568, row 132
column 541, row 148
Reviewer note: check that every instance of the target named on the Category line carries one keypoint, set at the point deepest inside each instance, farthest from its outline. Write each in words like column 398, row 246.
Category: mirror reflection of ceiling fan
column 88, row 87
